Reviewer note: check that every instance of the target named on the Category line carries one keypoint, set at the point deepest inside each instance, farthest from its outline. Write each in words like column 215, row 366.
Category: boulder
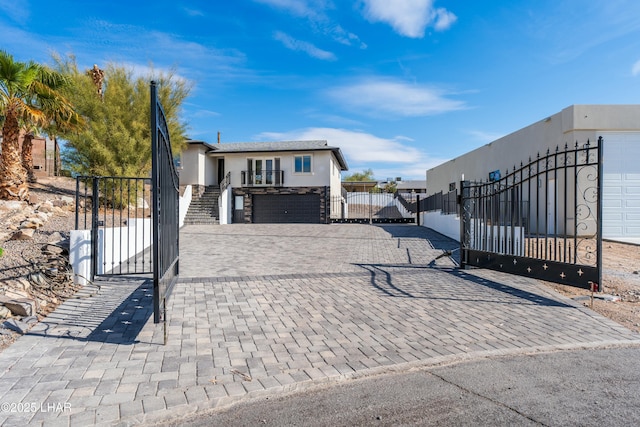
column 68, row 200
column 13, row 205
column 55, row 237
column 21, row 283
column 43, row 216
column 45, row 207
column 5, row 313
column 32, row 222
column 24, row 234
column 20, row 307
column 13, row 293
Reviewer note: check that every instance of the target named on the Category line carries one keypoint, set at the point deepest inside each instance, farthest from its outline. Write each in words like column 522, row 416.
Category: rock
column 14, row 293
column 68, row 200
column 22, row 283
column 33, row 199
column 55, row 237
column 31, row 222
column 53, row 249
column 45, row 207
column 13, row 205
column 25, row 234
column 5, row 313
column 4, row 236
column 142, row 203
column 16, row 325
column 43, row 216
column 38, row 278
column 19, row 307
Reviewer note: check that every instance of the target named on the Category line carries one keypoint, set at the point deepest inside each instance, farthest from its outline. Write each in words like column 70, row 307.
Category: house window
column 302, row 164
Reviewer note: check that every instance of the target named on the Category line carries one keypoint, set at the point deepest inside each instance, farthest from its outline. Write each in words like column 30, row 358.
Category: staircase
column 204, row 209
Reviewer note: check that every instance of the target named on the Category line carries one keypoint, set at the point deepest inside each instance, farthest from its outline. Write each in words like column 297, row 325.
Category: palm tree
column 29, row 96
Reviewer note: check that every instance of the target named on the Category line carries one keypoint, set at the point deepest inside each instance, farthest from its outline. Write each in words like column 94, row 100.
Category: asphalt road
column 573, row 388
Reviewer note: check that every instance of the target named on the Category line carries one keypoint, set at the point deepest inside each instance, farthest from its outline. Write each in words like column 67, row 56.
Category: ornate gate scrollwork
column 541, row 220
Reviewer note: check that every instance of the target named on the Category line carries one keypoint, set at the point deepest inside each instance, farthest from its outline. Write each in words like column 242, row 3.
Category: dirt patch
column 621, row 278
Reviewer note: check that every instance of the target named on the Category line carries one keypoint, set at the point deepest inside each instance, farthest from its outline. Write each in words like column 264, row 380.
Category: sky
column 399, row 85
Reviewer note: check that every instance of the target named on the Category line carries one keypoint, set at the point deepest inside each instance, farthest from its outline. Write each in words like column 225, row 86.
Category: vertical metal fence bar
column 599, row 211
column 575, row 203
column 94, row 227
column 565, row 197
column 555, row 205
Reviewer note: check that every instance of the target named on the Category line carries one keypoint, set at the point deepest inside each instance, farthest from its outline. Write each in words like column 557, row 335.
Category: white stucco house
column 266, row 182
column 618, row 125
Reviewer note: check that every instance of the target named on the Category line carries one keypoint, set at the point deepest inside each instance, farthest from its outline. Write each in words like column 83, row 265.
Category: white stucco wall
column 575, row 123
column 321, row 167
column 194, row 154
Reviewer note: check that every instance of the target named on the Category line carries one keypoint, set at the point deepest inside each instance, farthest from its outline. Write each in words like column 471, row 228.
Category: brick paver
column 270, row 308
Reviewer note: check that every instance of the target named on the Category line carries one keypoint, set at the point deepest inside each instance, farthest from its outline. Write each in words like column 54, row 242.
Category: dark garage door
column 286, row 208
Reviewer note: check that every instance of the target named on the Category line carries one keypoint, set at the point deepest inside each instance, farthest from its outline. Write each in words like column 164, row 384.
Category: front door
column 220, row 170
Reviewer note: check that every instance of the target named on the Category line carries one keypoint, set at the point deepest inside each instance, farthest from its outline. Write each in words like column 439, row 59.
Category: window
column 302, row 164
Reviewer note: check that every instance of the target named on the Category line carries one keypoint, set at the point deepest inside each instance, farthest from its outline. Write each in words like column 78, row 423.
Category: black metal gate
column 373, row 207
column 542, row 220
column 116, row 210
column 165, row 206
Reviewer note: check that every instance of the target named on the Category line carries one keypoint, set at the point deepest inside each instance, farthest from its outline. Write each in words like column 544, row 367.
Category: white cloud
column 485, row 136
column 388, row 157
column 443, row 19
column 302, row 46
column 193, row 12
column 635, row 70
column 357, row 146
column 315, row 12
column 383, row 97
column 295, row 7
column 18, row 11
column 409, row 18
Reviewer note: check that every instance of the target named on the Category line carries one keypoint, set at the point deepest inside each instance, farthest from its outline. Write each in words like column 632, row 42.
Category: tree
column 116, row 140
column 31, row 95
column 364, row 176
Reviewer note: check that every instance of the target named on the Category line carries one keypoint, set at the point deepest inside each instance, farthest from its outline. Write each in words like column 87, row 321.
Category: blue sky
column 399, row 85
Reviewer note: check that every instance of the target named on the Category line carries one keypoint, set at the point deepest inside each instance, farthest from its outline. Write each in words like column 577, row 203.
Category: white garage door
column 621, row 191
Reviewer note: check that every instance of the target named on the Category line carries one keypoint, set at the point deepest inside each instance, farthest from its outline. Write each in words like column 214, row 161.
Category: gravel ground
column 22, row 257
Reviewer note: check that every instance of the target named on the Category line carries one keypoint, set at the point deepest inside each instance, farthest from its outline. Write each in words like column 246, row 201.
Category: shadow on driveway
column 386, row 279
column 108, row 312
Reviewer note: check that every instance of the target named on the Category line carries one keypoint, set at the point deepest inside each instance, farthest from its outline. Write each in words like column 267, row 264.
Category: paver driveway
column 267, row 308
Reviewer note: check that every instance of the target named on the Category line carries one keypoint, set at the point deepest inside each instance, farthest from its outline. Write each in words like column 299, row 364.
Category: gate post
column 465, row 220
column 418, row 209
column 599, row 212
column 95, row 200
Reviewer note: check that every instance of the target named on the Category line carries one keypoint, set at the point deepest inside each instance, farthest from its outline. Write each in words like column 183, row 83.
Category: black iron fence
column 542, row 220
column 117, row 212
column 446, row 203
column 166, row 196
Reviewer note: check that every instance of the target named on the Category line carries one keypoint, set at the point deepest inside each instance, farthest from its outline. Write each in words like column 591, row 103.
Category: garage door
column 286, row 208
column 621, row 187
